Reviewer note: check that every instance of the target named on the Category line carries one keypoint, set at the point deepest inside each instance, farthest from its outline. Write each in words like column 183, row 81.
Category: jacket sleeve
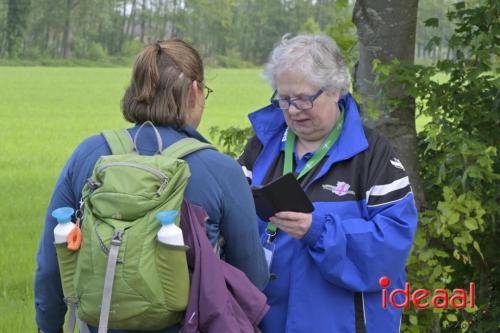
column 242, row 247
column 49, row 305
column 249, row 155
column 355, row 253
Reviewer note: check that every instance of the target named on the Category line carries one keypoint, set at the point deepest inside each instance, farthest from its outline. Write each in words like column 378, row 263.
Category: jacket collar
column 269, row 122
column 187, row 130
column 193, row 133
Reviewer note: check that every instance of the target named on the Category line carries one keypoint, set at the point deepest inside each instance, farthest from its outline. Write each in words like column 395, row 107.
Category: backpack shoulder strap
column 185, row 147
column 119, row 141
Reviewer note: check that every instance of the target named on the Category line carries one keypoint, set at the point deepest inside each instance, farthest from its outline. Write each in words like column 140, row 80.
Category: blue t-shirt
column 217, row 184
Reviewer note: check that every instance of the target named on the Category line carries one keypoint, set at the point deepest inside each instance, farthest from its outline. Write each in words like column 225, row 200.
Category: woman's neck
column 304, row 146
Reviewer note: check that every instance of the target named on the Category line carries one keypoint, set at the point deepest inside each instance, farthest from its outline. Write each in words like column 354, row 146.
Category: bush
column 459, row 164
column 132, row 48
column 34, row 53
column 96, row 52
column 232, row 140
column 231, row 59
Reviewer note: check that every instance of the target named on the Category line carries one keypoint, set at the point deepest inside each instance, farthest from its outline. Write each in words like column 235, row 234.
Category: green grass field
column 45, row 113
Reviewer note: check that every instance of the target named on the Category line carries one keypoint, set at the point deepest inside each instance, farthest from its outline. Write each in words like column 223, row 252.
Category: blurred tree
column 17, row 20
column 244, row 30
column 70, row 6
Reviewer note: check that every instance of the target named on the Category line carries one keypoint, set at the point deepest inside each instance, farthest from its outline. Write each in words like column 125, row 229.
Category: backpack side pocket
column 67, row 267
column 174, row 276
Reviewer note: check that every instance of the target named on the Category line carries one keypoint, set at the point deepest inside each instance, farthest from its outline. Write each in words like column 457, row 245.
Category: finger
column 281, row 224
column 289, row 215
column 277, row 222
column 288, row 228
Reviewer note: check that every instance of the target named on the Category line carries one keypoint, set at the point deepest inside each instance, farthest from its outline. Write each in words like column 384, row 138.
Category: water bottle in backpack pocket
column 66, row 258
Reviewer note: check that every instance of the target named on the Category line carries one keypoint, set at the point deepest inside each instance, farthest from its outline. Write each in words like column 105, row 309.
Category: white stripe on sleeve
column 388, row 188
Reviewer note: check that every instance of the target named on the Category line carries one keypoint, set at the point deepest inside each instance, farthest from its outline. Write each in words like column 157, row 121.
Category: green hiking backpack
column 122, row 276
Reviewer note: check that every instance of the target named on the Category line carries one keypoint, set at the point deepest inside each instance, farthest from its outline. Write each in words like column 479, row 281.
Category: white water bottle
column 64, row 224
column 169, row 233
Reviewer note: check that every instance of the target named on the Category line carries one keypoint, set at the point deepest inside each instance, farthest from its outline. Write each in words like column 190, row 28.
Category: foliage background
column 459, row 165
column 229, row 33
column 47, row 111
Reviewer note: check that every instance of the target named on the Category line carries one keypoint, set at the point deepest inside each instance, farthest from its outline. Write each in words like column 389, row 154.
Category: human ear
column 193, row 93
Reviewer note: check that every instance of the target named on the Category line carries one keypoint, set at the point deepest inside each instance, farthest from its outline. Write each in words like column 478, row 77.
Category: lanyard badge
column 269, row 247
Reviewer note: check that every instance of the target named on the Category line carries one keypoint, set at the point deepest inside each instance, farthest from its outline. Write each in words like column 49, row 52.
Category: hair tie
column 158, row 45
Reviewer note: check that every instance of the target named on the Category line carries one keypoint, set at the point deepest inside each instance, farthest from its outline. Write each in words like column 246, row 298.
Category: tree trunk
column 131, row 20
column 123, row 28
column 66, row 42
column 386, row 30
column 46, row 42
column 175, row 21
column 165, row 21
column 17, row 20
column 143, row 20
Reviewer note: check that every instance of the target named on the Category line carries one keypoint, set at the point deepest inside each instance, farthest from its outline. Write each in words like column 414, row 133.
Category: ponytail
column 146, row 74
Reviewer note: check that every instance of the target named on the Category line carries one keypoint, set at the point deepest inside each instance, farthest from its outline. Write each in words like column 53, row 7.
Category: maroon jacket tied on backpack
column 221, row 298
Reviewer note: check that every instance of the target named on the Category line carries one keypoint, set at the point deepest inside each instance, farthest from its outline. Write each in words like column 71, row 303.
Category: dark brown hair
column 161, row 82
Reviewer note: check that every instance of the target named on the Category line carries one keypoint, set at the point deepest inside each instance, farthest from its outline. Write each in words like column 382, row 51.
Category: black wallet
column 282, row 194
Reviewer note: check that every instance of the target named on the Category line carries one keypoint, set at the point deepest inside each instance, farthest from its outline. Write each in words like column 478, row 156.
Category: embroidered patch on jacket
column 397, row 163
column 340, row 189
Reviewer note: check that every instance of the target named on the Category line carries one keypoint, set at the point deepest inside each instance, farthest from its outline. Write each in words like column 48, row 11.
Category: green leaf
column 452, row 317
column 432, row 22
column 464, row 326
column 453, row 217
column 435, row 41
column 413, row 320
column 478, row 249
column 471, row 224
column 438, row 270
column 426, row 255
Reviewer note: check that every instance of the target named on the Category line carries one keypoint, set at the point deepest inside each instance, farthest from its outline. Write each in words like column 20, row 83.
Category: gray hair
column 317, row 57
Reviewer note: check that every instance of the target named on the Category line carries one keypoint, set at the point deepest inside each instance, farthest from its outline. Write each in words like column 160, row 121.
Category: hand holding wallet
column 282, row 194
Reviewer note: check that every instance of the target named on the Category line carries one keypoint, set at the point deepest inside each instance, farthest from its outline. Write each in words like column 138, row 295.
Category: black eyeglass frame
column 291, row 101
column 208, row 91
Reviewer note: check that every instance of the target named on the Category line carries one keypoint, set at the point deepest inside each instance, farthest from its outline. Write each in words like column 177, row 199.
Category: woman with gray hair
column 326, row 265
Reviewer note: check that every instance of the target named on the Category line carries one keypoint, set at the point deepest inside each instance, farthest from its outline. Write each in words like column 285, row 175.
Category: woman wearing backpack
column 168, row 90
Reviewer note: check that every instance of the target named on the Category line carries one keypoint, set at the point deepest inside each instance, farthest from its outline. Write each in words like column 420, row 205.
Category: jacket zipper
column 164, row 178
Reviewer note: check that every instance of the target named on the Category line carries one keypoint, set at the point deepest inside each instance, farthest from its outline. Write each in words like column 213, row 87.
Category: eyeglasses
column 207, row 91
column 301, row 103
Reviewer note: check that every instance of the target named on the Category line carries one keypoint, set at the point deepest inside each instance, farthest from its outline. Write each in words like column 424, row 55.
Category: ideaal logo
column 439, row 299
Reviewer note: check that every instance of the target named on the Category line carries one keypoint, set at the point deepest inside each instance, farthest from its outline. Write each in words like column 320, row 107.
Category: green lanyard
column 313, row 161
column 318, row 155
